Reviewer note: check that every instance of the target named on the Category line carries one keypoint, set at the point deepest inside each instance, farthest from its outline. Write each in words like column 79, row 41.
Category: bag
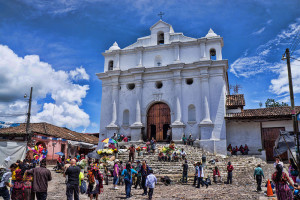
column 294, row 173
column 208, row 181
column 83, row 188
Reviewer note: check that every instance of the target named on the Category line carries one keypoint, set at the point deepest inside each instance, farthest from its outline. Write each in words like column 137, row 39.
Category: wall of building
column 241, row 133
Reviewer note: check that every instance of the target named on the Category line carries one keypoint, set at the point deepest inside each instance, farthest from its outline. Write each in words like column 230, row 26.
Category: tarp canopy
column 283, row 142
column 82, row 144
column 11, row 151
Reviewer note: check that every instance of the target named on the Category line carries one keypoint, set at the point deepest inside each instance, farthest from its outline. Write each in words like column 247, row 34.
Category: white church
column 166, row 80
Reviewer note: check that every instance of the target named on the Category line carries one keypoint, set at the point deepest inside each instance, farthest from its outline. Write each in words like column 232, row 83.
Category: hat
column 117, row 160
column 138, row 161
column 2, row 167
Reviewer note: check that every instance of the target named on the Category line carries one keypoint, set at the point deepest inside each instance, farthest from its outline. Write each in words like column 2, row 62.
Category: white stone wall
column 241, row 133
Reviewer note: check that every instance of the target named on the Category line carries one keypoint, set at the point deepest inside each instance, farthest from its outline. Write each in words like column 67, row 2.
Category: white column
column 117, row 60
column 114, row 115
column 138, row 121
column 205, row 98
column 202, row 51
column 140, row 56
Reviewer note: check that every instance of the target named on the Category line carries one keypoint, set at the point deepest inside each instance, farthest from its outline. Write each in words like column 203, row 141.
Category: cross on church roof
column 161, row 14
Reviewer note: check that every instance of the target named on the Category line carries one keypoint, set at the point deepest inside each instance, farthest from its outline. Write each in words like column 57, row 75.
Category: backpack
column 83, row 187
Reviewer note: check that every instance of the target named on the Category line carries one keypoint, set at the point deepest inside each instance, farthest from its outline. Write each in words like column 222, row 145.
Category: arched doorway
column 158, row 121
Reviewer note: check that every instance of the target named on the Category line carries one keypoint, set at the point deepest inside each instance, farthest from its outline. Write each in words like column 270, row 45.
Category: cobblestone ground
column 238, row 190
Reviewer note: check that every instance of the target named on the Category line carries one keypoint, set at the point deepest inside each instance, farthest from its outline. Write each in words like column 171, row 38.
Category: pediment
column 160, row 24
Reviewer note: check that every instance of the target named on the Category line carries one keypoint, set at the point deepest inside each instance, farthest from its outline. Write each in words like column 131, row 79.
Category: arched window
column 126, row 117
column 158, row 61
column 110, row 65
column 212, row 53
column 191, row 113
column 160, row 38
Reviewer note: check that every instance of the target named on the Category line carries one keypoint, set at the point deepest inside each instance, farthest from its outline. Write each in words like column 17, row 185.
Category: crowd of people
column 234, row 150
column 27, row 181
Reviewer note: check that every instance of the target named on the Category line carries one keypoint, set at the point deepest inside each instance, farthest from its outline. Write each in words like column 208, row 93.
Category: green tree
column 272, row 103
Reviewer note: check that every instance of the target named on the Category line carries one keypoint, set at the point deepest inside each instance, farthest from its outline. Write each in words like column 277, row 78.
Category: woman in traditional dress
column 281, row 181
column 293, row 170
column 95, row 179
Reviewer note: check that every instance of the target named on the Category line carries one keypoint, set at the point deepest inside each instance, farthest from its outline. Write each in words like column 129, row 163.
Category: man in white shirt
column 150, row 183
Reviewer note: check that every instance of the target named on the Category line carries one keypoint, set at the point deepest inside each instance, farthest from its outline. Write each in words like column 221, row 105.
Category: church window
column 160, row 38
column 158, row 84
column 130, row 86
column 191, row 113
column 189, row 81
column 158, row 61
column 126, row 117
column 110, row 65
column 212, row 53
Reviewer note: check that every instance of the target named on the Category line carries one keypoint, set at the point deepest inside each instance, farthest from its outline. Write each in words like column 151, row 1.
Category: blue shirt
column 127, row 176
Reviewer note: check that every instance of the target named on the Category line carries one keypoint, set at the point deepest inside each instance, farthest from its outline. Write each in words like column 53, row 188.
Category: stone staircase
column 243, row 165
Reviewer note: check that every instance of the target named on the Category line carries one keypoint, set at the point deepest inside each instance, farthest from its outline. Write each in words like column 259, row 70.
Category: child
column 150, row 183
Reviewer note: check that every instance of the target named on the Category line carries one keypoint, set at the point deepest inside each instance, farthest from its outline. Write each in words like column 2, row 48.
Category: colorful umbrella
column 109, row 140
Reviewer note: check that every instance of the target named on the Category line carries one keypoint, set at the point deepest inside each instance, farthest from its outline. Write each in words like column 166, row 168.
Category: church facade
column 166, row 80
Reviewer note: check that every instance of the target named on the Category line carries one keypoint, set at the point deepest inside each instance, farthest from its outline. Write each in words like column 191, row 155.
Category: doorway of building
column 158, row 121
column 269, row 135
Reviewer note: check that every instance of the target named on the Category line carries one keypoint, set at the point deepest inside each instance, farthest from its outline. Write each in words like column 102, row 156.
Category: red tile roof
column 50, row 130
column 266, row 113
column 236, row 100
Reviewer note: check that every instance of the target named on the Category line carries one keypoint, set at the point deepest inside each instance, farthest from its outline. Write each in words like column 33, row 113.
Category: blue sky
column 55, row 46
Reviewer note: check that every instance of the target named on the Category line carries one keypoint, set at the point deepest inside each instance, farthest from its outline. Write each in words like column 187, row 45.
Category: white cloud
column 261, row 59
column 19, row 74
column 259, row 31
column 79, row 74
column 280, row 85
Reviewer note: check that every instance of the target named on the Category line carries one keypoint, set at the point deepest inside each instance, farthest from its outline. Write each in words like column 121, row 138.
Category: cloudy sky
column 55, row 46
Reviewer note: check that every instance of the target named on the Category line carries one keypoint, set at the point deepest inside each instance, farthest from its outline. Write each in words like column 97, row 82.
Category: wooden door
column 157, row 119
column 269, row 136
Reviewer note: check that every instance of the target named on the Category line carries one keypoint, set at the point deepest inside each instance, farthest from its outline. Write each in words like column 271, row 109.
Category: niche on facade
column 126, row 117
column 110, row 65
column 212, row 53
column 189, row 81
column 158, row 84
column 160, row 38
column 158, row 61
column 130, row 86
column 191, row 113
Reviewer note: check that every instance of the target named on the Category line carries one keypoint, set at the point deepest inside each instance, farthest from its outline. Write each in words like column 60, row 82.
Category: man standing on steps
column 185, row 172
column 131, row 153
column 169, row 132
column 258, row 175
column 229, row 171
column 73, row 181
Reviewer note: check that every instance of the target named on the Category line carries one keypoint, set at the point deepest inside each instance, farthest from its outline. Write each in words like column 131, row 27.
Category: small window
column 160, row 38
column 126, row 117
column 189, row 81
column 158, row 84
column 158, row 61
column 130, row 86
column 110, row 65
column 212, row 54
column 191, row 113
